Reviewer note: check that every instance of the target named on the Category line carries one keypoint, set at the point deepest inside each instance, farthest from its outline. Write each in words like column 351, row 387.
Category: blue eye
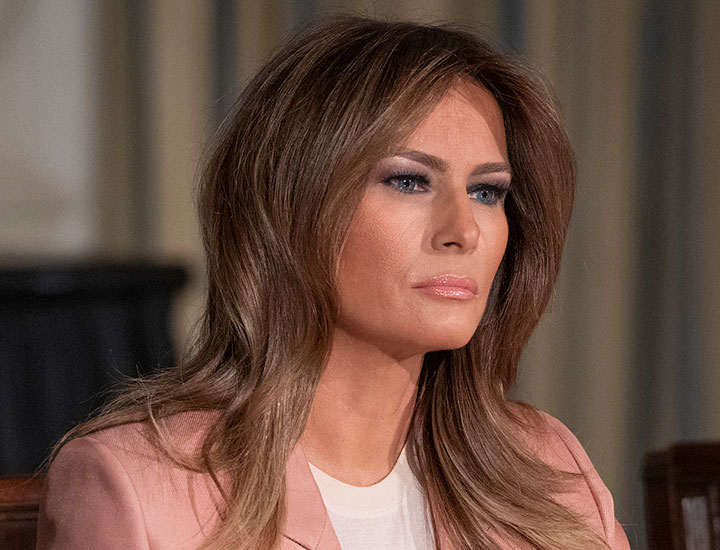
column 407, row 183
column 490, row 194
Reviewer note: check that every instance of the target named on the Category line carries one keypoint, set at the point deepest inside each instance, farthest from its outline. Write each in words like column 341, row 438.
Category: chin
column 448, row 344
column 449, row 335
column 445, row 339
column 425, row 343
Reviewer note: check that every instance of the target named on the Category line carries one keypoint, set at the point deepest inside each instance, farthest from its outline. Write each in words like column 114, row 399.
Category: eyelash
column 499, row 190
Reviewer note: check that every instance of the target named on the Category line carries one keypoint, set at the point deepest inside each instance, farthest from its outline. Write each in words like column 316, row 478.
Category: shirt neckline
column 361, row 502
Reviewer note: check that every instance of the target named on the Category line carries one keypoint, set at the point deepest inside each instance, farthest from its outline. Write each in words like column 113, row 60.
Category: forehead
column 466, row 112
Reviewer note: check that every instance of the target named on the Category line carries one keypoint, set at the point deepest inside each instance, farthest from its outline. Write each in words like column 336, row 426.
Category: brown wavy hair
column 275, row 200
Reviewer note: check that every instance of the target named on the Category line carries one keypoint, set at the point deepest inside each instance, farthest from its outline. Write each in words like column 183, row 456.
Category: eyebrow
column 436, row 163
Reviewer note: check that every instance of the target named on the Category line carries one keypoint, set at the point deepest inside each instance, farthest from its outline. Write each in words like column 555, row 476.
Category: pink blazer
column 113, row 490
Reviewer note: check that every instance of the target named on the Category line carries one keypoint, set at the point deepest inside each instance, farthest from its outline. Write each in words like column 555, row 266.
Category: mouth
column 449, row 286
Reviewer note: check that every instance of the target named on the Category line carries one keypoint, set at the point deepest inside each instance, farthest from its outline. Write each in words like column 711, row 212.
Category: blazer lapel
column 306, row 521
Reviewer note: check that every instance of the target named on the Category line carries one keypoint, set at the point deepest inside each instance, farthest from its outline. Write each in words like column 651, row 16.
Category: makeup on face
column 413, row 172
column 430, row 232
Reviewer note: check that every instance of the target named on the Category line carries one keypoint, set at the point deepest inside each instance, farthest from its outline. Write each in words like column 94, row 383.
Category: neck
column 361, row 411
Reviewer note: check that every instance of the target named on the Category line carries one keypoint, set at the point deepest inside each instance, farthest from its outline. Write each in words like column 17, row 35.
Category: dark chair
column 69, row 332
column 682, row 497
column 19, row 502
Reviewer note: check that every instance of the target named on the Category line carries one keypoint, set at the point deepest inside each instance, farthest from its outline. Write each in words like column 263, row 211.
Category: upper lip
column 450, row 280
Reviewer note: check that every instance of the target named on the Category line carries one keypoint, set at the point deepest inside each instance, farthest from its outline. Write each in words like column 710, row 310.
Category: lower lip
column 452, row 292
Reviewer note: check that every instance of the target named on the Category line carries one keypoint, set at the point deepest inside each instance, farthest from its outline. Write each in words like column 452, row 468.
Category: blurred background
column 106, row 109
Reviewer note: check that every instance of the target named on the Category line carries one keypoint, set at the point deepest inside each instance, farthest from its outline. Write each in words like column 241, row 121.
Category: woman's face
column 430, row 232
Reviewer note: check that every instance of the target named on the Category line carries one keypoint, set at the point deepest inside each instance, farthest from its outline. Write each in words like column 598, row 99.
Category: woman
column 383, row 218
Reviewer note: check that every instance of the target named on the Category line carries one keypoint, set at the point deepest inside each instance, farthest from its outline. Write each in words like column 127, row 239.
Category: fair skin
column 433, row 209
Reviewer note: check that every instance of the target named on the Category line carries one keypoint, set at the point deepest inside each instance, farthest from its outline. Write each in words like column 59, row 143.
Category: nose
column 456, row 227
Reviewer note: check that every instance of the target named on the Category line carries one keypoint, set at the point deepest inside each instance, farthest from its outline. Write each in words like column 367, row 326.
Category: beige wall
column 181, row 126
column 48, row 198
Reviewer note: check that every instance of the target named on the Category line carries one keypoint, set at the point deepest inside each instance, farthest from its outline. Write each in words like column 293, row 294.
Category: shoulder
column 553, row 443
column 134, row 448
column 116, row 484
column 186, row 431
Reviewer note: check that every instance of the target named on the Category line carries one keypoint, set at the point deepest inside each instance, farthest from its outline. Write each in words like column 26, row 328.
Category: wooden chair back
column 19, row 503
column 682, row 497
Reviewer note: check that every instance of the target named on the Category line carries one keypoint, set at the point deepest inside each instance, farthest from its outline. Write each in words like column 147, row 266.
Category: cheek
column 495, row 242
column 379, row 244
column 501, row 240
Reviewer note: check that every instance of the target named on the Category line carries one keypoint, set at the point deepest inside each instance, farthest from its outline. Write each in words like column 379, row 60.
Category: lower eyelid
column 499, row 194
column 421, row 182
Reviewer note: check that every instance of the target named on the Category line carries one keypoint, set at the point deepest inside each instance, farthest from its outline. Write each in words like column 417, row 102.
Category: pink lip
column 449, row 286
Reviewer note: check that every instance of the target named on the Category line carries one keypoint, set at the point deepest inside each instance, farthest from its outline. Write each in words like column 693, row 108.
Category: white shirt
column 389, row 515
